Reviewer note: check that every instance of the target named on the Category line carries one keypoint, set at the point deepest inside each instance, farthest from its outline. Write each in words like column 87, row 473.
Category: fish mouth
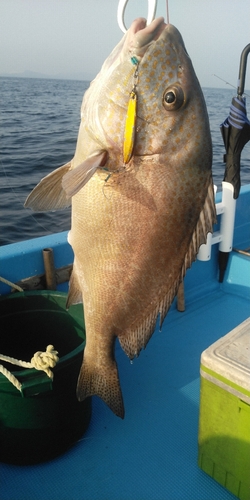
column 150, row 32
column 141, row 35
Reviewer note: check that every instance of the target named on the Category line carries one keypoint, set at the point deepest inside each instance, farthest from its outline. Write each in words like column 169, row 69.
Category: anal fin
column 75, row 293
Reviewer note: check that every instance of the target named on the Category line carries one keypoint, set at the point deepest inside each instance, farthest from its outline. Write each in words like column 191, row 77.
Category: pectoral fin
column 49, row 194
column 75, row 179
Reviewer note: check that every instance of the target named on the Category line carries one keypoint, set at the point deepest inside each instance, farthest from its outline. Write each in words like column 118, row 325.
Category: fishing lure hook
column 152, row 4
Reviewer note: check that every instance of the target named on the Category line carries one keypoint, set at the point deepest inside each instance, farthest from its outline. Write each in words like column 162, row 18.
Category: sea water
column 39, row 124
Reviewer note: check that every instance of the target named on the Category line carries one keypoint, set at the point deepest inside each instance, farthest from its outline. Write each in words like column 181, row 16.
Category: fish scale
column 136, row 226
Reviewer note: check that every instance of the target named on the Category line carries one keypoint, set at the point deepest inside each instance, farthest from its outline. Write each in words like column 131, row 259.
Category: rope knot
column 45, row 360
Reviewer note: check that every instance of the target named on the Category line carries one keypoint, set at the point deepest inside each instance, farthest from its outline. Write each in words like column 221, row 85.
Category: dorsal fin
column 137, row 337
column 204, row 226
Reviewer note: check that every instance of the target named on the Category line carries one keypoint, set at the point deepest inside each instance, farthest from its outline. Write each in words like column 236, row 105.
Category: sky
column 72, row 38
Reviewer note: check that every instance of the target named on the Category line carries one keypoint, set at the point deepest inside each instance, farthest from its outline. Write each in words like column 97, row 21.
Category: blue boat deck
column 152, row 453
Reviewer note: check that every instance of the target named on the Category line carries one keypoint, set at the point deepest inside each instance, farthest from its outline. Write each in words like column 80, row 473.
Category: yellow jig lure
column 129, row 133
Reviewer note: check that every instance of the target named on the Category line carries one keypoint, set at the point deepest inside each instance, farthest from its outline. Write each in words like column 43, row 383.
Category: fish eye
column 169, row 97
column 173, row 97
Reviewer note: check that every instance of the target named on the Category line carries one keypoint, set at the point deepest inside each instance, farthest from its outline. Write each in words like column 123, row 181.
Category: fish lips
column 140, row 36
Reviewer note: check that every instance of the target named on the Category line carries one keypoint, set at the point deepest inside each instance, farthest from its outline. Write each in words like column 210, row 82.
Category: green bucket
column 45, row 418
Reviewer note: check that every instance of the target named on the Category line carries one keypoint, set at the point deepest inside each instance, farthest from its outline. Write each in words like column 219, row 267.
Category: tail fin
column 102, row 382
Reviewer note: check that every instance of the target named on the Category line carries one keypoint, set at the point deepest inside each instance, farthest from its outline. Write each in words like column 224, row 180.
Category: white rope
column 13, row 380
column 40, row 361
column 13, row 285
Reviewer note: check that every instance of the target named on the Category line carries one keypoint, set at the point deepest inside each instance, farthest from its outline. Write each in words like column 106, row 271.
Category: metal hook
column 152, row 4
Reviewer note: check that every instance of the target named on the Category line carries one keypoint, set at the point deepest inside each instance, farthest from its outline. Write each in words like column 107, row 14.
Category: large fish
column 142, row 197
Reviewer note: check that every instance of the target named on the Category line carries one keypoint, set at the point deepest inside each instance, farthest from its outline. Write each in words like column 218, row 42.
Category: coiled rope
column 41, row 361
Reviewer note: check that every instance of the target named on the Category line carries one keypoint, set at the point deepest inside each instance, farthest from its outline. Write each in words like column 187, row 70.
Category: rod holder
column 226, row 208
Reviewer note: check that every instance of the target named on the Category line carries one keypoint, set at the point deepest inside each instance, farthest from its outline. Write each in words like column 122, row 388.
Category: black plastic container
column 45, row 419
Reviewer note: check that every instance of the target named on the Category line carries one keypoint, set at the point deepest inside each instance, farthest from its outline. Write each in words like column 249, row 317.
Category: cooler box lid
column 228, row 359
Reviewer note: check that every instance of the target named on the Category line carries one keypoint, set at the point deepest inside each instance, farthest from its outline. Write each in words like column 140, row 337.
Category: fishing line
column 167, row 12
column 227, row 83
